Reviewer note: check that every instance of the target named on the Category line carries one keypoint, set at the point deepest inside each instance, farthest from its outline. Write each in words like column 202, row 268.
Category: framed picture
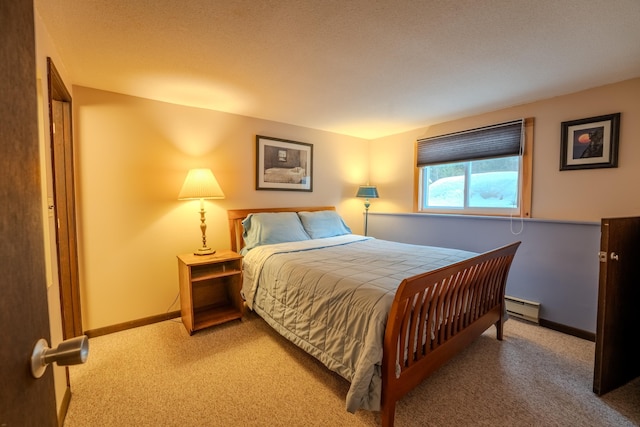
column 283, row 165
column 590, row 143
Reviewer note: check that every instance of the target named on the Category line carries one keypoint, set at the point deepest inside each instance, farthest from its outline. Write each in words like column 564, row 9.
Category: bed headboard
column 236, row 216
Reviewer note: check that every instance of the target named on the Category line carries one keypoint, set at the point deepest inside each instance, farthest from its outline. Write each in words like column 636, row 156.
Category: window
column 484, row 171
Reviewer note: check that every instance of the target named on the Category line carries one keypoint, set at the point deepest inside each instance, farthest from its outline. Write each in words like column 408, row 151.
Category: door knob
column 73, row 351
column 614, row 256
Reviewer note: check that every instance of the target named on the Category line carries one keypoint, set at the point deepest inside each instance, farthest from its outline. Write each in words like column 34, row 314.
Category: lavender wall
column 556, row 265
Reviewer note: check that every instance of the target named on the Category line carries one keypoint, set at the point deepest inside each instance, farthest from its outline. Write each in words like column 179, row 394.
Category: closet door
column 617, row 359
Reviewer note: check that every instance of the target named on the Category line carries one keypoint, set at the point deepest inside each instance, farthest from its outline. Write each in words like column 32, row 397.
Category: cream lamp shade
column 201, row 184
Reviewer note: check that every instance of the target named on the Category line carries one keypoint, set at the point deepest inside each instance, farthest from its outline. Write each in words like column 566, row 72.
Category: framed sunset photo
column 590, row 143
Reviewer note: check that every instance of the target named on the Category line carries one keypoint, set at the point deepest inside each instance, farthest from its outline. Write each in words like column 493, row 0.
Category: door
column 24, row 315
column 617, row 359
column 64, row 205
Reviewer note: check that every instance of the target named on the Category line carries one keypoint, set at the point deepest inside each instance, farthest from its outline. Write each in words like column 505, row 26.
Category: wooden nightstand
column 210, row 289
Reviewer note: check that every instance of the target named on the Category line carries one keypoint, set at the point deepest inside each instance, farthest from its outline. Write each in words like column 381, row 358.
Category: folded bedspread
column 332, row 297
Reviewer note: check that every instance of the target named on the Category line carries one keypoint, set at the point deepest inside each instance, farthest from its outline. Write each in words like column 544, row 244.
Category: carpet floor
column 242, row 373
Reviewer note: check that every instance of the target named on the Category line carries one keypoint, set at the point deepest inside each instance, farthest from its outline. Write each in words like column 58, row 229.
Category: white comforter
column 332, row 297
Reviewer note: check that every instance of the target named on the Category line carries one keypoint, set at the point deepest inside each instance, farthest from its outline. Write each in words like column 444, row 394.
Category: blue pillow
column 271, row 227
column 322, row 224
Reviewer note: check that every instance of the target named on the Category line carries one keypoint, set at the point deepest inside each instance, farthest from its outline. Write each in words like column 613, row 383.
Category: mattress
column 332, row 296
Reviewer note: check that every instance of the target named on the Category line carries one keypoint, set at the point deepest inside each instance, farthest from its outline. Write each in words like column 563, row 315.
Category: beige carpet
column 243, row 374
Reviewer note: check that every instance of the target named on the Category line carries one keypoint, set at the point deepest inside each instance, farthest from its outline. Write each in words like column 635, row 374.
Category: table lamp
column 201, row 184
column 367, row 192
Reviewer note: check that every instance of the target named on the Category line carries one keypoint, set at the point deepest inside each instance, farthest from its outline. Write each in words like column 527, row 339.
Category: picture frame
column 590, row 143
column 282, row 164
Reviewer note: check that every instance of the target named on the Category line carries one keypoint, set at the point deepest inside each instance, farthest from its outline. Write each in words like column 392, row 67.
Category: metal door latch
column 602, row 256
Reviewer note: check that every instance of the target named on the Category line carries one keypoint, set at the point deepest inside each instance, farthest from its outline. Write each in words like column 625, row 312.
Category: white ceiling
column 366, row 68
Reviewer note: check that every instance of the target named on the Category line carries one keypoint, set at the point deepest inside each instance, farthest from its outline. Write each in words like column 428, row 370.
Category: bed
column 383, row 315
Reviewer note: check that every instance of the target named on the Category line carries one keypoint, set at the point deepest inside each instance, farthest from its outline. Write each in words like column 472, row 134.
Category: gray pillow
column 271, row 227
column 322, row 224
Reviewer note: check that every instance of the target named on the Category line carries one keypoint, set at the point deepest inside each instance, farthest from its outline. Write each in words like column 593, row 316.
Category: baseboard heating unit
column 523, row 309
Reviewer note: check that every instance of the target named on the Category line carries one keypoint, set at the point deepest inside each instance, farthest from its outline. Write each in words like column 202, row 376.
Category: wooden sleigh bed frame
column 434, row 315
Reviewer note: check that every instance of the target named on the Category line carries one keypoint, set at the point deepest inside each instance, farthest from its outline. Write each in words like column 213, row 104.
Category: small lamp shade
column 200, row 184
column 367, row 191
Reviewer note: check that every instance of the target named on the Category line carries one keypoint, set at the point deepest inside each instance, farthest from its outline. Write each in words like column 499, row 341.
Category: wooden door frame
column 66, row 230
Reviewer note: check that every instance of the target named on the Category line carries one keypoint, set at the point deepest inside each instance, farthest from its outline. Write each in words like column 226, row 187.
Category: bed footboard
column 437, row 314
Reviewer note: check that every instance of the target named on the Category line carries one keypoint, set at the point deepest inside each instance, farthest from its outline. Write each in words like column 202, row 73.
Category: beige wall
column 579, row 195
column 133, row 155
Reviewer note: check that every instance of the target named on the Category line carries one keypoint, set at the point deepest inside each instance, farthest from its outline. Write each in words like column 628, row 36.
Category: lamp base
column 205, row 251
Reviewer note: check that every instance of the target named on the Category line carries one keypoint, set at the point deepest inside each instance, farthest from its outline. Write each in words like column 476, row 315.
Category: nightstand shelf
column 213, row 315
column 210, row 289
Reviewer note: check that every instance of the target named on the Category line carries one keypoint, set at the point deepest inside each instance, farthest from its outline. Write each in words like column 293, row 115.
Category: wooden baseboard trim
column 92, row 333
column 64, row 406
column 590, row 336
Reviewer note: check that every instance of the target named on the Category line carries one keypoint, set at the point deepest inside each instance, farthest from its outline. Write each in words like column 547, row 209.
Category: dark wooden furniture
column 617, row 354
column 434, row 315
column 210, row 289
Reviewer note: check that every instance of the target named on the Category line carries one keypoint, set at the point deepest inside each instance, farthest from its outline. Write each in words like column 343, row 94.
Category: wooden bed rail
column 437, row 314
